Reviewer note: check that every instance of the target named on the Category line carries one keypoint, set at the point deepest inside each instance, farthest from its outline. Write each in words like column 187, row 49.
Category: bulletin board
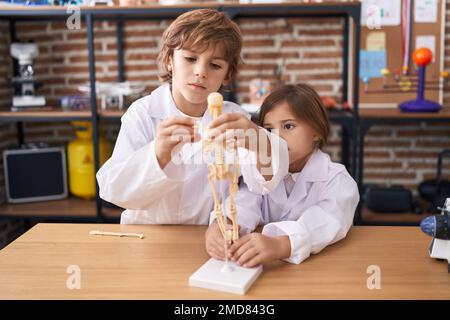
column 427, row 29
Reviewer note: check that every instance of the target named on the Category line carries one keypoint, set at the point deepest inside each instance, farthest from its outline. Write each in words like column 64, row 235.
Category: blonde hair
column 200, row 29
column 305, row 103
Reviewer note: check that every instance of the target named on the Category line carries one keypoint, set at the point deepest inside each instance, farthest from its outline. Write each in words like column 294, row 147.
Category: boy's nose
column 200, row 71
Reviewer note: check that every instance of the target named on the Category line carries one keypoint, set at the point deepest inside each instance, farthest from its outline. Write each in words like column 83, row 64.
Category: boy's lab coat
column 179, row 193
column 318, row 212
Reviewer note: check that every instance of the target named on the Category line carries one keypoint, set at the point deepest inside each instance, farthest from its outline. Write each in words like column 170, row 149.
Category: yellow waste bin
column 81, row 159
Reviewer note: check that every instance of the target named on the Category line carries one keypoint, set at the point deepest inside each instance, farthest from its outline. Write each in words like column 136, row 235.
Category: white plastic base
column 216, row 275
column 440, row 249
column 28, row 101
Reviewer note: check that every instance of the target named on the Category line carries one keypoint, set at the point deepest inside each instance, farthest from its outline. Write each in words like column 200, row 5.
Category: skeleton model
column 220, row 172
column 215, row 274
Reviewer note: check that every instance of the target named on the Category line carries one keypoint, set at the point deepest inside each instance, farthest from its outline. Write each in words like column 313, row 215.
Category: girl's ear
column 316, row 140
column 316, row 137
column 227, row 80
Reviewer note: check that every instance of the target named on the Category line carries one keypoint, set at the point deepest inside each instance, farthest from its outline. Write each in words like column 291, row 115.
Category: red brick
column 376, row 154
column 270, row 55
column 389, row 175
column 312, row 65
column 383, row 165
column 140, row 23
column 49, row 59
column 323, row 22
column 65, row 91
column 98, row 58
column 421, row 165
column 424, row 133
column 322, row 87
column 140, row 67
column 324, row 76
column 139, row 44
column 413, row 154
column 149, row 77
column 74, row 69
column 61, row 25
column 258, row 43
column 387, row 143
column 142, row 56
column 321, row 32
column 259, row 66
column 143, row 33
column 308, row 43
column 23, row 27
column 52, row 80
column 67, row 47
column 267, row 31
column 433, row 144
column 322, row 54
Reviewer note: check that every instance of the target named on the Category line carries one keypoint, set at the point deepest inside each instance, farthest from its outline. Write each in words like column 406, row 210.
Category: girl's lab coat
column 319, row 210
column 179, row 193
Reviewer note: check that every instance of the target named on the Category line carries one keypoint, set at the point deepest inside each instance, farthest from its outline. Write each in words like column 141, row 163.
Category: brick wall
column 307, row 50
column 9, row 229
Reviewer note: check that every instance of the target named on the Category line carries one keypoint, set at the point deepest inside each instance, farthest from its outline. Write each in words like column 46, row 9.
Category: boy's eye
column 189, row 59
column 289, row 126
column 216, row 66
column 268, row 129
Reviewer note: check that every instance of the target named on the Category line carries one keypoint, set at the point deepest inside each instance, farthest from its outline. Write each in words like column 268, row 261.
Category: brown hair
column 305, row 103
column 200, row 29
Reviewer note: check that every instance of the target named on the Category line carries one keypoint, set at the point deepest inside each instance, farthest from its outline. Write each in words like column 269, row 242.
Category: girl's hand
column 255, row 248
column 214, row 240
column 173, row 132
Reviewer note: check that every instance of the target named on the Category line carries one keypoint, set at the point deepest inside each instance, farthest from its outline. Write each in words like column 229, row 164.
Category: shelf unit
column 348, row 11
column 368, row 118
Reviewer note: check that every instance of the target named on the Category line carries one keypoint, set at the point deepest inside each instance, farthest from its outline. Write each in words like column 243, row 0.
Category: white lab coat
column 179, row 193
column 318, row 212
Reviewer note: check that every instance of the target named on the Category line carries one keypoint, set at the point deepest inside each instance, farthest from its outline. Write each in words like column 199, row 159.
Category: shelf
column 70, row 208
column 395, row 113
column 170, row 11
column 334, row 115
column 370, row 217
column 44, row 115
column 111, row 114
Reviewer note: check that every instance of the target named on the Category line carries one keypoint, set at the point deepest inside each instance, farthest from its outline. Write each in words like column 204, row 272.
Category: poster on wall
column 387, row 12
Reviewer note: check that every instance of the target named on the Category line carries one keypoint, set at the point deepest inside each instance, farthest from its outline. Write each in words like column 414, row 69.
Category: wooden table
column 158, row 266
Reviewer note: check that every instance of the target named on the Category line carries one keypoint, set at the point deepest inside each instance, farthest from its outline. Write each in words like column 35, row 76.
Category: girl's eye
column 268, row 129
column 289, row 126
column 189, row 59
column 216, row 66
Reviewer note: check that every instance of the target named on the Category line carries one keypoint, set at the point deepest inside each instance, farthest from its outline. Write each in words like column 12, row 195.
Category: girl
column 200, row 54
column 312, row 208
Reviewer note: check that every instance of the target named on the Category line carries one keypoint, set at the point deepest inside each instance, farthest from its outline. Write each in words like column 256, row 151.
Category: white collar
column 315, row 169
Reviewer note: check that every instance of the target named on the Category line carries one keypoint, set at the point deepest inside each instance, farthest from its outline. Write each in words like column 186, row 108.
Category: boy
column 200, row 53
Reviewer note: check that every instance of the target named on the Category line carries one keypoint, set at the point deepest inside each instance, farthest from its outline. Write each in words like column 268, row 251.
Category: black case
column 35, row 174
column 393, row 199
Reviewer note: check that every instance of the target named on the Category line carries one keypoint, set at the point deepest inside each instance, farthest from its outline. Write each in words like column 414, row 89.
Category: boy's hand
column 214, row 240
column 173, row 132
column 237, row 128
column 255, row 248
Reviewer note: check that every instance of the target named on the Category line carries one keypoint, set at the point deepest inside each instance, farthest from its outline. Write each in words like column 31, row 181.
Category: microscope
column 438, row 227
column 25, row 83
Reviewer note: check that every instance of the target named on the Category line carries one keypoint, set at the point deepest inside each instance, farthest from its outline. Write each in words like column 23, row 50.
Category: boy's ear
column 169, row 65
